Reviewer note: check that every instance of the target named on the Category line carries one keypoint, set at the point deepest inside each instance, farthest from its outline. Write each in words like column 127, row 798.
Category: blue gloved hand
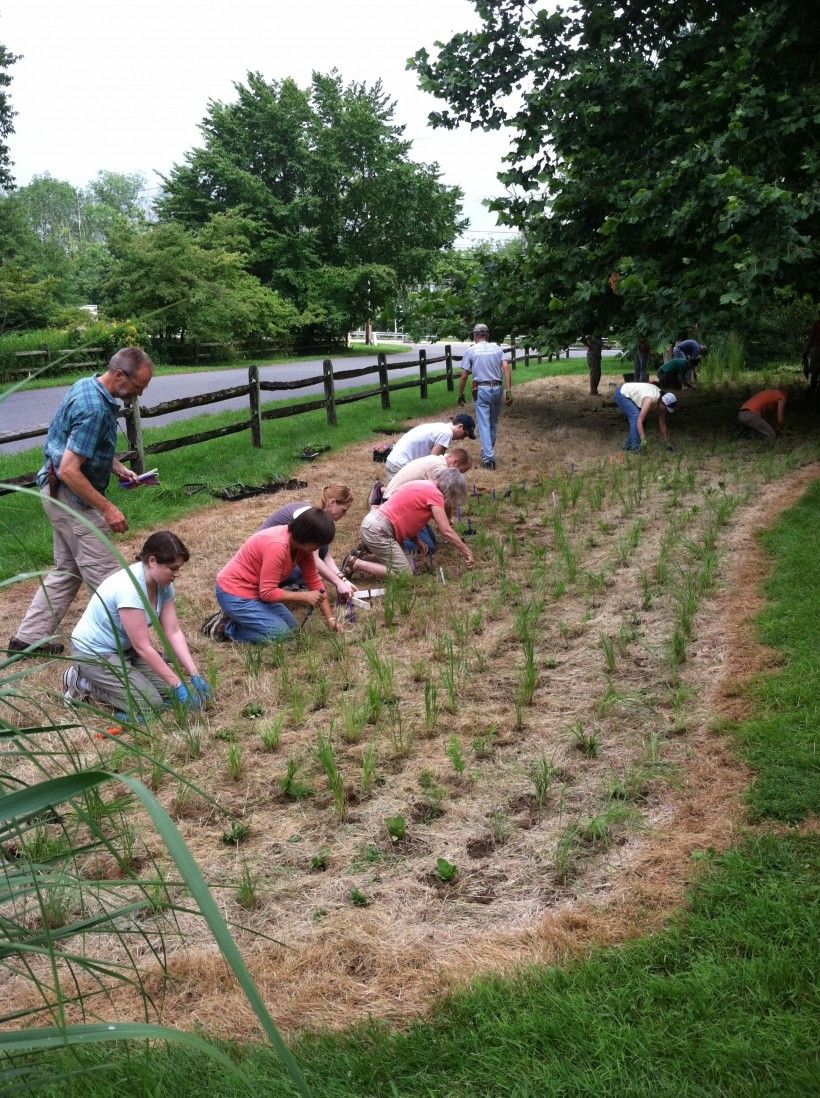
column 184, row 696
column 201, row 686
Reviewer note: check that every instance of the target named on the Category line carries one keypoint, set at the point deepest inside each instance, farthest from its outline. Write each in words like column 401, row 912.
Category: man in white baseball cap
column 635, row 399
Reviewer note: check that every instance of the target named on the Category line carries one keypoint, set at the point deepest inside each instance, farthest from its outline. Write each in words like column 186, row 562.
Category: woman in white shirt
column 116, row 662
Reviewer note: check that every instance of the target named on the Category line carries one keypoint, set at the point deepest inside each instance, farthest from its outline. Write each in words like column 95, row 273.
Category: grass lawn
column 721, row 1002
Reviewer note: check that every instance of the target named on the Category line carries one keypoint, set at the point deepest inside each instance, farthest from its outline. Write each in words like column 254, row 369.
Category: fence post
column 133, row 430
column 540, row 355
column 253, row 396
column 385, row 392
column 567, row 355
column 330, row 392
column 423, row 373
column 448, row 366
column 512, row 351
column 526, row 354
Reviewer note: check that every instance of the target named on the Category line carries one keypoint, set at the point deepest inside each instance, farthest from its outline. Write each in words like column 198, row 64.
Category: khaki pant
column 79, row 557
column 380, row 538
column 756, row 423
column 123, row 681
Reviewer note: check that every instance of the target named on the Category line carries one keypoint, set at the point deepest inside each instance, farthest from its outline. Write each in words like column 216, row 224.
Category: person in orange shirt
column 760, row 409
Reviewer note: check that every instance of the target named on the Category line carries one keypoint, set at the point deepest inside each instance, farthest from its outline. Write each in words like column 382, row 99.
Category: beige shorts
column 380, row 538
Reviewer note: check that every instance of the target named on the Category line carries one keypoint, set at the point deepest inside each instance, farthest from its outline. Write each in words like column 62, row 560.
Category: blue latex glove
column 201, row 686
column 186, row 698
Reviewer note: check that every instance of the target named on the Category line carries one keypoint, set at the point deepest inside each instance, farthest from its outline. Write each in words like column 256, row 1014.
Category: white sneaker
column 75, row 686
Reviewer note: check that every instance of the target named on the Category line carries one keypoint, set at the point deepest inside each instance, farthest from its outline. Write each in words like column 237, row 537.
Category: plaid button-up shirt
column 86, row 424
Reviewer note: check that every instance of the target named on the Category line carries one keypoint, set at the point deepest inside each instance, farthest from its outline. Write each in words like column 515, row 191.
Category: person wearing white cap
column 491, row 373
column 635, row 399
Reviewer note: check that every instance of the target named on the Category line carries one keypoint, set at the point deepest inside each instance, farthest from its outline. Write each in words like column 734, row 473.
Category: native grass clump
column 528, row 717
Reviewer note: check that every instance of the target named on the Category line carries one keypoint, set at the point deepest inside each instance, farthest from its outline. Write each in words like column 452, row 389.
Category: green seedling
column 358, row 898
column 227, row 735
column 608, row 701
column 236, row 833
column 446, row 871
column 382, row 671
column 500, row 826
column 322, row 692
column 318, row 862
column 327, row 757
column 646, row 592
column 542, row 773
column 253, row 710
column 586, row 742
column 291, row 787
column 252, row 654
column 419, row 670
column 566, row 853
column 235, row 760
column 396, row 828
column 430, row 707
column 607, row 646
column 528, row 678
column 370, row 758
column 270, row 733
column 297, row 704
column 402, row 736
column 455, row 754
column 354, row 720
column 374, row 704
column 246, row 895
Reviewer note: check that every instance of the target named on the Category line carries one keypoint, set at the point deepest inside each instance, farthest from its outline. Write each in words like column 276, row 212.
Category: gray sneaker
column 75, row 686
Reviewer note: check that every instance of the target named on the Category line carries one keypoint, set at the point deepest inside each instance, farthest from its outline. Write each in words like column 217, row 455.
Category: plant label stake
column 441, row 576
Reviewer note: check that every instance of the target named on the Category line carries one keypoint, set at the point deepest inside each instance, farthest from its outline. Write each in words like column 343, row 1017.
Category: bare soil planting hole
column 545, row 722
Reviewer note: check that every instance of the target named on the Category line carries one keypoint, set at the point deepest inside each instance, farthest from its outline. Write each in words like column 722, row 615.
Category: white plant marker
column 441, row 576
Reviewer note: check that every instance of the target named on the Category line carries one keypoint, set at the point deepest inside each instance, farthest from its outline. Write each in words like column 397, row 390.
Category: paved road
column 34, row 408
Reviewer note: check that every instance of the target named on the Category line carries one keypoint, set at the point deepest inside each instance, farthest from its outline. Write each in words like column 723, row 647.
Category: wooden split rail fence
column 134, row 414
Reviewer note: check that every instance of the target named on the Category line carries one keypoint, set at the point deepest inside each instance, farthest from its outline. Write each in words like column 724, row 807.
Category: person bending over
column 403, row 516
column 428, row 468
column 758, row 412
column 636, row 399
column 255, row 606
column 428, row 438
column 116, row 662
column 336, row 501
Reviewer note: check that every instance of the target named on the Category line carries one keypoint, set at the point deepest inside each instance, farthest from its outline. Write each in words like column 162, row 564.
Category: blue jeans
column 254, row 621
column 631, row 410
column 426, row 535
column 487, row 411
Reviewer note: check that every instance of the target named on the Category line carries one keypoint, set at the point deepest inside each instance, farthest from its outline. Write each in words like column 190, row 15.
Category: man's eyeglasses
column 135, row 386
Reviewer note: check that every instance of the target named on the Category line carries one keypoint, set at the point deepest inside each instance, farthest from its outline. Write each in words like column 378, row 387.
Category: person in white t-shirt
column 116, row 662
column 636, row 399
column 428, row 438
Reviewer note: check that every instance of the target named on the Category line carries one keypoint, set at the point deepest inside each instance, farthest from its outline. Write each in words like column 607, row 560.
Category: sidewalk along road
column 27, row 409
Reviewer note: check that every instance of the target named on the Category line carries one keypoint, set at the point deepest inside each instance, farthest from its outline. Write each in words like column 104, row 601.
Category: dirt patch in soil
column 573, row 545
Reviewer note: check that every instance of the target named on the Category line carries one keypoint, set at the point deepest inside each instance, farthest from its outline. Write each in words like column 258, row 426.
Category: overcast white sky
column 104, row 84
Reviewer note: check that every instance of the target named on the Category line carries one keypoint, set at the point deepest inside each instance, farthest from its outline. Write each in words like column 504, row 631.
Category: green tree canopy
column 59, row 232
column 476, row 285
column 7, row 59
column 320, row 178
column 664, row 163
column 180, row 287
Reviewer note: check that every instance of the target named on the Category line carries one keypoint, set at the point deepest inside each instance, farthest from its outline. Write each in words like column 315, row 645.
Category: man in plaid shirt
column 80, row 456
